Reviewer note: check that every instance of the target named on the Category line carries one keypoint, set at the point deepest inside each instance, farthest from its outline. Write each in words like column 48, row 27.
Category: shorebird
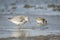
column 18, row 20
column 41, row 21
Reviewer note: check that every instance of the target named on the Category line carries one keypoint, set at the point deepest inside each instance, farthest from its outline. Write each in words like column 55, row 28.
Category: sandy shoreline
column 48, row 37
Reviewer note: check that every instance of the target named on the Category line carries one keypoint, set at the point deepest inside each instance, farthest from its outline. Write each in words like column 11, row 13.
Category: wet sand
column 48, row 37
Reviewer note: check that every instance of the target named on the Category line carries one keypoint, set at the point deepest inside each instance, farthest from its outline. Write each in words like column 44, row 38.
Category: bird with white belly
column 41, row 21
column 18, row 20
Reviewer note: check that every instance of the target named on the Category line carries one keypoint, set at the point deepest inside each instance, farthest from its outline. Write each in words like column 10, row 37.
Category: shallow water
column 8, row 29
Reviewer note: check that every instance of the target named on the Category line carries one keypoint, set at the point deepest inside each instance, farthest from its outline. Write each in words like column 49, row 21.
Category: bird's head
column 26, row 18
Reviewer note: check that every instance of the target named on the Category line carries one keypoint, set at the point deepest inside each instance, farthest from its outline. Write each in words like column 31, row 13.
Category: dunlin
column 19, row 20
column 41, row 21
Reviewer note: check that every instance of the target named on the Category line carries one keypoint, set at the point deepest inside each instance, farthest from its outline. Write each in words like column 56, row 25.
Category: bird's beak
column 9, row 18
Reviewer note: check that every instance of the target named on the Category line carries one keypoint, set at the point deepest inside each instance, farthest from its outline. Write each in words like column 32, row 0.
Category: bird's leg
column 19, row 27
column 18, row 31
column 22, row 32
column 30, row 21
column 23, row 37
